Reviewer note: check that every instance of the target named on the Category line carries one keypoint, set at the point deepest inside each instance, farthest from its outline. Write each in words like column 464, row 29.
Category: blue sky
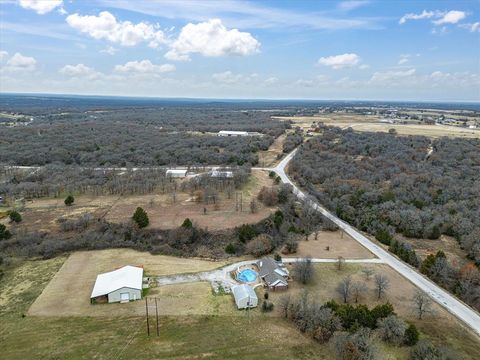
column 377, row 50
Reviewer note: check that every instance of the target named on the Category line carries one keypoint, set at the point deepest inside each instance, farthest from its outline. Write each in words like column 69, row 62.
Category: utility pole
column 146, row 311
column 241, row 201
column 156, row 313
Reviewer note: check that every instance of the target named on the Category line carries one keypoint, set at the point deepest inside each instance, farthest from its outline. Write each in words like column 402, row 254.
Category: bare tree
column 422, row 303
column 368, row 273
column 284, row 304
column 340, row 263
column 303, row 270
column 253, row 206
column 344, row 288
column 392, row 329
column 358, row 289
column 381, row 284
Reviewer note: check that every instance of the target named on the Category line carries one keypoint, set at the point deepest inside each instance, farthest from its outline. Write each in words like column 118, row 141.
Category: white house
column 232, row 133
column 121, row 285
column 221, row 173
column 176, row 173
column 245, row 296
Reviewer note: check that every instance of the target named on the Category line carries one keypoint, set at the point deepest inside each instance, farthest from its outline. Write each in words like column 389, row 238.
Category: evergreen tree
column 140, row 217
column 69, row 200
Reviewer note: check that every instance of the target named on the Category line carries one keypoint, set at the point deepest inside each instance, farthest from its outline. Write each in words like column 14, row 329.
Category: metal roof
column 242, row 292
column 127, row 276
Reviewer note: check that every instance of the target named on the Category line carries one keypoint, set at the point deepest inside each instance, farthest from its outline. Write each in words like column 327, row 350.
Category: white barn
column 121, row 285
column 232, row 133
column 176, row 173
column 245, row 296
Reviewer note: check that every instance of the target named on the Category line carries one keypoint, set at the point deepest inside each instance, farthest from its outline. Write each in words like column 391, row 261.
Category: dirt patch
column 423, row 247
column 68, row 293
column 339, row 243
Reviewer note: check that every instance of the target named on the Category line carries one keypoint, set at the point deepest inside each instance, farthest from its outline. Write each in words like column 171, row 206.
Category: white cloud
column 340, row 61
column 405, row 58
column 392, row 76
column 451, row 17
column 475, row 27
column 110, row 50
column 41, row 7
column 76, row 70
column 424, row 15
column 352, row 4
column 227, row 77
column 106, row 27
column 18, row 62
column 144, row 67
column 211, row 38
column 3, row 55
column 271, row 80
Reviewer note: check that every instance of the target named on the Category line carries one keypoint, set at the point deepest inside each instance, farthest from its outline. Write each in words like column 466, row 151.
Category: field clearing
column 270, row 157
column 42, row 214
column 68, row 294
column 370, row 123
column 124, row 337
column 339, row 244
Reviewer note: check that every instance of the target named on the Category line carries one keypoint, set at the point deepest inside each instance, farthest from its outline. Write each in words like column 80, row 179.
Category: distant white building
column 176, row 173
column 221, row 173
column 232, row 133
column 121, row 285
column 245, row 296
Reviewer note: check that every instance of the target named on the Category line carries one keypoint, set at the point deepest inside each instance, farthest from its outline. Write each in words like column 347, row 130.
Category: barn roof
column 127, row 276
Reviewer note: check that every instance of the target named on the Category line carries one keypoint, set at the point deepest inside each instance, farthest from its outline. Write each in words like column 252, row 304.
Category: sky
column 353, row 50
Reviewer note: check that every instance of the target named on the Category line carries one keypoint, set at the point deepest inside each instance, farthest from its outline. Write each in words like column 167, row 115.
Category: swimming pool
column 247, row 275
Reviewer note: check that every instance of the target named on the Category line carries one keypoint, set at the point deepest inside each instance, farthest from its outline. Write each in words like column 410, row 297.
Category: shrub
column 230, row 249
column 392, row 329
column 425, row 350
column 246, row 232
column 411, row 335
column 15, row 216
column 261, row 245
column 4, row 233
column 141, row 218
column 383, row 236
column 187, row 223
column 267, row 306
column 277, row 257
column 265, row 296
column 268, row 196
column 271, row 174
column 69, row 200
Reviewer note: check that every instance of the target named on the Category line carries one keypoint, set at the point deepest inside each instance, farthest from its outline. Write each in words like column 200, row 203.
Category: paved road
column 442, row 297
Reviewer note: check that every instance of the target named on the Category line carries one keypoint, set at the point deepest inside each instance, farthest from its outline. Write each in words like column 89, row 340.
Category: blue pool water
column 247, row 275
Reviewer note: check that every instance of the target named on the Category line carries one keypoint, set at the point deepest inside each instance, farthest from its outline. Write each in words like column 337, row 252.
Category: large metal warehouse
column 121, row 285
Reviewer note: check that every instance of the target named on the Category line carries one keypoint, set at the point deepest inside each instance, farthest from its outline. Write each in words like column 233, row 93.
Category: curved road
column 442, row 297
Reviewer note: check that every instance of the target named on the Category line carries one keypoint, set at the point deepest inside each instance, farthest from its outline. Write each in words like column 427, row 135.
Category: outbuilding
column 245, row 296
column 176, row 173
column 121, row 285
column 232, row 133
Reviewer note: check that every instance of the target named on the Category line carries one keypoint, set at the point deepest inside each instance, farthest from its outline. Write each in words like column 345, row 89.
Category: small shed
column 121, row 285
column 245, row 296
column 176, row 173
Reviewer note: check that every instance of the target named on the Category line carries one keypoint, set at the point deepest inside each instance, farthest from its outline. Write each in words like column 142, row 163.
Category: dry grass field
column 197, row 324
column 68, row 293
column 370, row 123
column 339, row 245
column 43, row 214
column 270, row 157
